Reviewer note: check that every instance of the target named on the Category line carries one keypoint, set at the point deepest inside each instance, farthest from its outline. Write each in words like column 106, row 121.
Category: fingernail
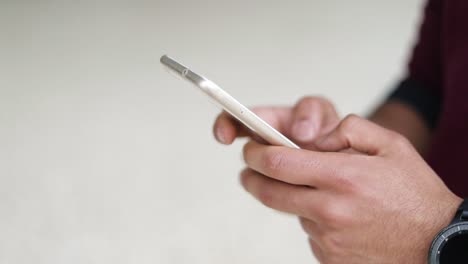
column 303, row 130
column 220, row 135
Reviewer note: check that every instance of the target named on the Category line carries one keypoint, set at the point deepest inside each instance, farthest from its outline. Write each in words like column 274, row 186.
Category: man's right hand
column 308, row 119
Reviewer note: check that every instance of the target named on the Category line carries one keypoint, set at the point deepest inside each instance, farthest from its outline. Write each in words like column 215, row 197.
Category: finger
column 311, row 116
column 277, row 117
column 226, row 128
column 296, row 166
column 297, row 200
column 358, row 134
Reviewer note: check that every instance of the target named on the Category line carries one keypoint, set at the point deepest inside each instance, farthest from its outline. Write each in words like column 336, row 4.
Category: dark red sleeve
column 422, row 88
column 425, row 65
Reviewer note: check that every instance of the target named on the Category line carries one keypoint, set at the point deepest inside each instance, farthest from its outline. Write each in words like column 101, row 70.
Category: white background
column 106, row 158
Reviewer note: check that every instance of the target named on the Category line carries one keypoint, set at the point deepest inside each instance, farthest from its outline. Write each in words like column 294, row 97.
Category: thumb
column 310, row 116
column 358, row 134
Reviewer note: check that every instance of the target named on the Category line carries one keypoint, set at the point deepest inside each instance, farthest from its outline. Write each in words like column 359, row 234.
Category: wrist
column 451, row 219
column 447, row 211
column 434, row 218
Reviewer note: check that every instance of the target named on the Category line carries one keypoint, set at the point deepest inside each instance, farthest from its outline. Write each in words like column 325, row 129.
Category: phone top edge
column 172, row 64
column 182, row 70
column 229, row 103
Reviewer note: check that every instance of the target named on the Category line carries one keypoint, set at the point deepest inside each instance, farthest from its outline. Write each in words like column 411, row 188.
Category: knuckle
column 323, row 211
column 349, row 180
column 398, row 140
column 345, row 181
column 273, row 160
column 349, row 122
column 347, row 125
column 333, row 215
column 328, row 216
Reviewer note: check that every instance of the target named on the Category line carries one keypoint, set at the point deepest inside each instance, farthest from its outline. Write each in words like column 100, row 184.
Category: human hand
column 381, row 205
column 310, row 118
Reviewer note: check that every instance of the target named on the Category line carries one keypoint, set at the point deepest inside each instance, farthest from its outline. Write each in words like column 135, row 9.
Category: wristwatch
column 451, row 244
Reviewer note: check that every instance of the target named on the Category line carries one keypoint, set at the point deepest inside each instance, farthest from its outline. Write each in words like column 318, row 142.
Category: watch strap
column 462, row 212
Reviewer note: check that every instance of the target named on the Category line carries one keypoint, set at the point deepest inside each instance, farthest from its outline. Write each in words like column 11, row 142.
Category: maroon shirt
column 440, row 63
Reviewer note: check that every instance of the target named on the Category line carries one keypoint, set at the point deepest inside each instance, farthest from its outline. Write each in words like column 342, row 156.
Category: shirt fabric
column 437, row 87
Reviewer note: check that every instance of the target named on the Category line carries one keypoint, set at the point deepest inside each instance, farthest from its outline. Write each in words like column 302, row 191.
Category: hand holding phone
column 230, row 104
column 304, row 122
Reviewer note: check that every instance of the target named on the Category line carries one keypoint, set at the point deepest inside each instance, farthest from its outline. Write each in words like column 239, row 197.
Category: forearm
column 403, row 119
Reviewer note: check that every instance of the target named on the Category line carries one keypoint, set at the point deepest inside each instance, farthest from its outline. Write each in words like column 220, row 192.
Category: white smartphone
column 229, row 104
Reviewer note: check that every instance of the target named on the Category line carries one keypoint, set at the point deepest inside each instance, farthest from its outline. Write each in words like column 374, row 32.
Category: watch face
column 449, row 244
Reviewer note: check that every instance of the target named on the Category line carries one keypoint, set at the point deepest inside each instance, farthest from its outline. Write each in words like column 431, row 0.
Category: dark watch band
column 462, row 212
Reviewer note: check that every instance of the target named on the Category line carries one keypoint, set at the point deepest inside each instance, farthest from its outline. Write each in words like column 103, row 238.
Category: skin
column 362, row 192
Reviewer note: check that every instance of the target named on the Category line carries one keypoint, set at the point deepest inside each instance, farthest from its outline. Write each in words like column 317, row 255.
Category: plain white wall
column 106, row 158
